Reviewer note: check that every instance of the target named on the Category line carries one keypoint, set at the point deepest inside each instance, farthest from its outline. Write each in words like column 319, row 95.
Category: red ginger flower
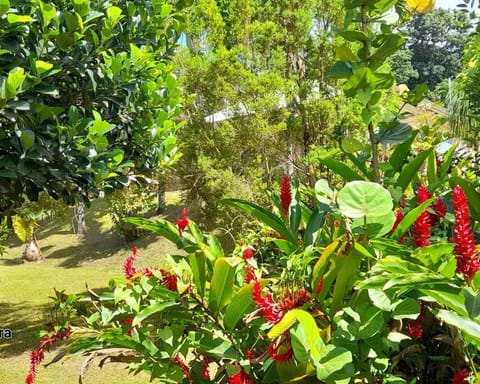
column 281, row 353
column 285, row 194
column 37, row 355
column 205, row 370
column 421, row 230
column 248, row 253
column 465, row 249
column 273, row 311
column 182, row 223
column 240, row 378
column 414, row 327
column 169, row 280
column 250, row 275
column 178, row 360
column 439, row 211
column 460, row 377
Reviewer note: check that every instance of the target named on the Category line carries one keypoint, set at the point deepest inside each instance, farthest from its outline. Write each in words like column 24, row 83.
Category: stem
column 371, row 132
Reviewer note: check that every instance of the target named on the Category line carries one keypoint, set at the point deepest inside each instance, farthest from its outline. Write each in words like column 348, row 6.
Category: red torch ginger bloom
column 182, row 223
column 465, row 249
column 460, row 377
column 285, row 194
column 240, row 378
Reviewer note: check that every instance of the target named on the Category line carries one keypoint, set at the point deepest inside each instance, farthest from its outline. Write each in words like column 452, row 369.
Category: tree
column 435, row 43
column 264, row 64
column 87, row 96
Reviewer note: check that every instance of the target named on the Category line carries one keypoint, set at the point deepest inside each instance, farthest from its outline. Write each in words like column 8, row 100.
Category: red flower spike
column 421, row 230
column 285, row 194
column 249, row 354
column 250, row 275
column 205, row 370
column 414, row 329
column 178, row 360
column 184, row 212
column 319, row 286
column 439, row 211
column 465, row 249
column 423, row 194
column 248, row 253
column 37, row 355
column 280, row 357
column 460, row 377
column 240, row 378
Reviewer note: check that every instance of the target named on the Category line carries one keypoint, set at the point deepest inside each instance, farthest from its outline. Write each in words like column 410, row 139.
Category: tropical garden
column 243, row 191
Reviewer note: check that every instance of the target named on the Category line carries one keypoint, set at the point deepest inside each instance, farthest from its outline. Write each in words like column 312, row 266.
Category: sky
column 447, row 3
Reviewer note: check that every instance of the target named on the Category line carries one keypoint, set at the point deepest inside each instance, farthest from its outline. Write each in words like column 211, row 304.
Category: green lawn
column 70, row 264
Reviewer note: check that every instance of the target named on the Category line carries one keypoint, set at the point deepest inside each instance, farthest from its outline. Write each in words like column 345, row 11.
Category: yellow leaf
column 421, row 6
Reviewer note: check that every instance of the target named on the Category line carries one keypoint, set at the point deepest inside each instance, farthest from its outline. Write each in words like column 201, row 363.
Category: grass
column 70, row 265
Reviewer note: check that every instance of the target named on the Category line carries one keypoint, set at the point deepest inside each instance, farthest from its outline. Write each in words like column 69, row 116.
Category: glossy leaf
column 263, row 215
column 362, row 198
column 199, row 270
column 341, row 169
column 238, row 307
column 464, row 324
column 409, row 171
column 152, row 310
column 221, row 286
column 410, row 218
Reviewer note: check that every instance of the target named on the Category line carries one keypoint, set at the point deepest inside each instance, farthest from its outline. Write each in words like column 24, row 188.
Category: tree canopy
column 87, row 95
column 434, row 45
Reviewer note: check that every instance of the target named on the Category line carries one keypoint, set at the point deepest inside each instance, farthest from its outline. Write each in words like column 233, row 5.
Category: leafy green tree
column 87, row 96
column 435, row 43
column 264, row 64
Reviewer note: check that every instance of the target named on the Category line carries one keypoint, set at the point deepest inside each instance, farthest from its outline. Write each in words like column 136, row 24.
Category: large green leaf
column 364, row 198
column 27, row 138
column 374, row 226
column 464, row 324
column 410, row 218
column 237, row 308
column 333, row 359
column 14, row 81
column 341, row 169
column 199, row 270
column 400, row 154
column 409, row 171
column 221, row 287
column 317, row 219
column 152, row 310
column 264, row 216
column 4, row 6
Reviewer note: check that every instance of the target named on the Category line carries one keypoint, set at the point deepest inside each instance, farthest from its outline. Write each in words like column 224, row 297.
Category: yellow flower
column 421, row 6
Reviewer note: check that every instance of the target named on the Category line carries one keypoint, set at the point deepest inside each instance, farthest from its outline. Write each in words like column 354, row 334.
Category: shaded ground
column 70, row 264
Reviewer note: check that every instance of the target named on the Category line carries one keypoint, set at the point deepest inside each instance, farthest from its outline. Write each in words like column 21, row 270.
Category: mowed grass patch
column 71, row 265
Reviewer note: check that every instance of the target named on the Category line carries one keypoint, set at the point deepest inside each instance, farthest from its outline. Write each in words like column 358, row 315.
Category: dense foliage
column 433, row 48
column 87, row 96
column 372, row 278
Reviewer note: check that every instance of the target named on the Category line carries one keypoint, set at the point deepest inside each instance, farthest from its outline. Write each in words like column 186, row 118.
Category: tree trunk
column 32, row 251
column 79, row 219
